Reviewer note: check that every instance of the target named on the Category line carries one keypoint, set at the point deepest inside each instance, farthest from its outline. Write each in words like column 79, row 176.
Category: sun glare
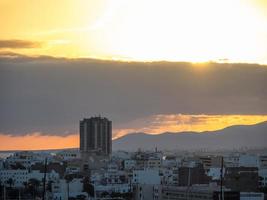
column 141, row 30
column 182, row 30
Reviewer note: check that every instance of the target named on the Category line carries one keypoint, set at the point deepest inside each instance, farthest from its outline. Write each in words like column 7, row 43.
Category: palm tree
column 88, row 187
column 68, row 179
column 10, row 182
column 33, row 185
column 25, row 184
column 1, row 188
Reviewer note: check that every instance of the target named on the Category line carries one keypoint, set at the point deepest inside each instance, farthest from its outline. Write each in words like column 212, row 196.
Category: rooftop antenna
column 4, row 192
column 44, row 180
column 221, row 196
column 188, row 181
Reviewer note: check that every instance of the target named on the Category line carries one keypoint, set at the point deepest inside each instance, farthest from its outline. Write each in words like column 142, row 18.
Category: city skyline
column 133, row 99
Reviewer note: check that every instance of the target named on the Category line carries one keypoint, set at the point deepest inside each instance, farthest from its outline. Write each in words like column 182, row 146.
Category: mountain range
column 233, row 137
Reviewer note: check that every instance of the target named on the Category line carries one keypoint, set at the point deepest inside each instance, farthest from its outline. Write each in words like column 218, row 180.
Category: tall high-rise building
column 96, row 136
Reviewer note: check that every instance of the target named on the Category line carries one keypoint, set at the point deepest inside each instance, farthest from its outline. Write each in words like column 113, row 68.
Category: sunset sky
column 177, row 30
column 149, row 65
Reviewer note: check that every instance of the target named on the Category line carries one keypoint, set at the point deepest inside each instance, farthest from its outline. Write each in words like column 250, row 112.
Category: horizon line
column 10, row 55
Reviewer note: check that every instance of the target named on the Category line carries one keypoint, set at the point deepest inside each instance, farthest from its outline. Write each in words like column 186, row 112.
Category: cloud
column 19, row 44
column 157, row 124
column 153, row 125
column 51, row 94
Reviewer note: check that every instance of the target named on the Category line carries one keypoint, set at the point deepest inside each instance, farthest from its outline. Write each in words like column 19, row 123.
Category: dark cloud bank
column 51, row 95
column 16, row 44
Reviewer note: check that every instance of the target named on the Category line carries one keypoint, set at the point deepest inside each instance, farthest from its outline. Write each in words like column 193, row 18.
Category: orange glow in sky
column 153, row 125
column 36, row 141
column 176, row 30
column 157, row 124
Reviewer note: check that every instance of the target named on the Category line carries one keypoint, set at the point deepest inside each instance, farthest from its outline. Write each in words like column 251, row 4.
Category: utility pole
column 4, row 192
column 188, row 182
column 221, row 196
column 44, row 179
column 19, row 194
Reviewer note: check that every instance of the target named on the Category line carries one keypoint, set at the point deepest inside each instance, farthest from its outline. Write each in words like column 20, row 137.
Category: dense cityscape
column 133, row 100
column 96, row 172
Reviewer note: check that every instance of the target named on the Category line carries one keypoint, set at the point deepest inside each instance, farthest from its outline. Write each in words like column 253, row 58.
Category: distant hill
column 233, row 137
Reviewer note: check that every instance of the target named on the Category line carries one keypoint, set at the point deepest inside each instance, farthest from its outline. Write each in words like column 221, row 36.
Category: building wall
column 251, row 196
column 243, row 179
column 248, row 161
column 196, row 193
column 95, row 136
column 263, row 162
column 146, row 176
column 144, row 192
column 18, row 177
column 194, row 175
column 263, row 177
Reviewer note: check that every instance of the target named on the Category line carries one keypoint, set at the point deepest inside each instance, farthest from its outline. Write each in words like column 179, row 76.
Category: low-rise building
column 147, row 192
column 192, row 175
column 263, row 177
column 263, row 162
column 61, row 189
column 14, row 177
column 251, row 196
column 129, row 164
column 146, row 176
column 246, row 160
column 197, row 192
column 68, row 155
column 153, row 162
column 245, row 179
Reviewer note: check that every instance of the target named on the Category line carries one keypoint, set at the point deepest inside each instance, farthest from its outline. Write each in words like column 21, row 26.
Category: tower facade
column 96, row 136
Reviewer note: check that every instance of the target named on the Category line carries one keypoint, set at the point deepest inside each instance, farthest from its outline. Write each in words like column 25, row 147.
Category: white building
column 263, row 177
column 263, row 162
column 60, row 189
column 1, row 164
column 146, row 176
column 147, row 192
column 118, row 188
column 251, row 196
column 36, row 174
column 231, row 160
column 96, row 176
column 129, row 164
column 170, row 161
column 215, row 173
column 68, row 155
column 246, row 160
column 169, row 176
column 73, row 169
column 17, row 177
column 153, row 162
column 26, row 158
